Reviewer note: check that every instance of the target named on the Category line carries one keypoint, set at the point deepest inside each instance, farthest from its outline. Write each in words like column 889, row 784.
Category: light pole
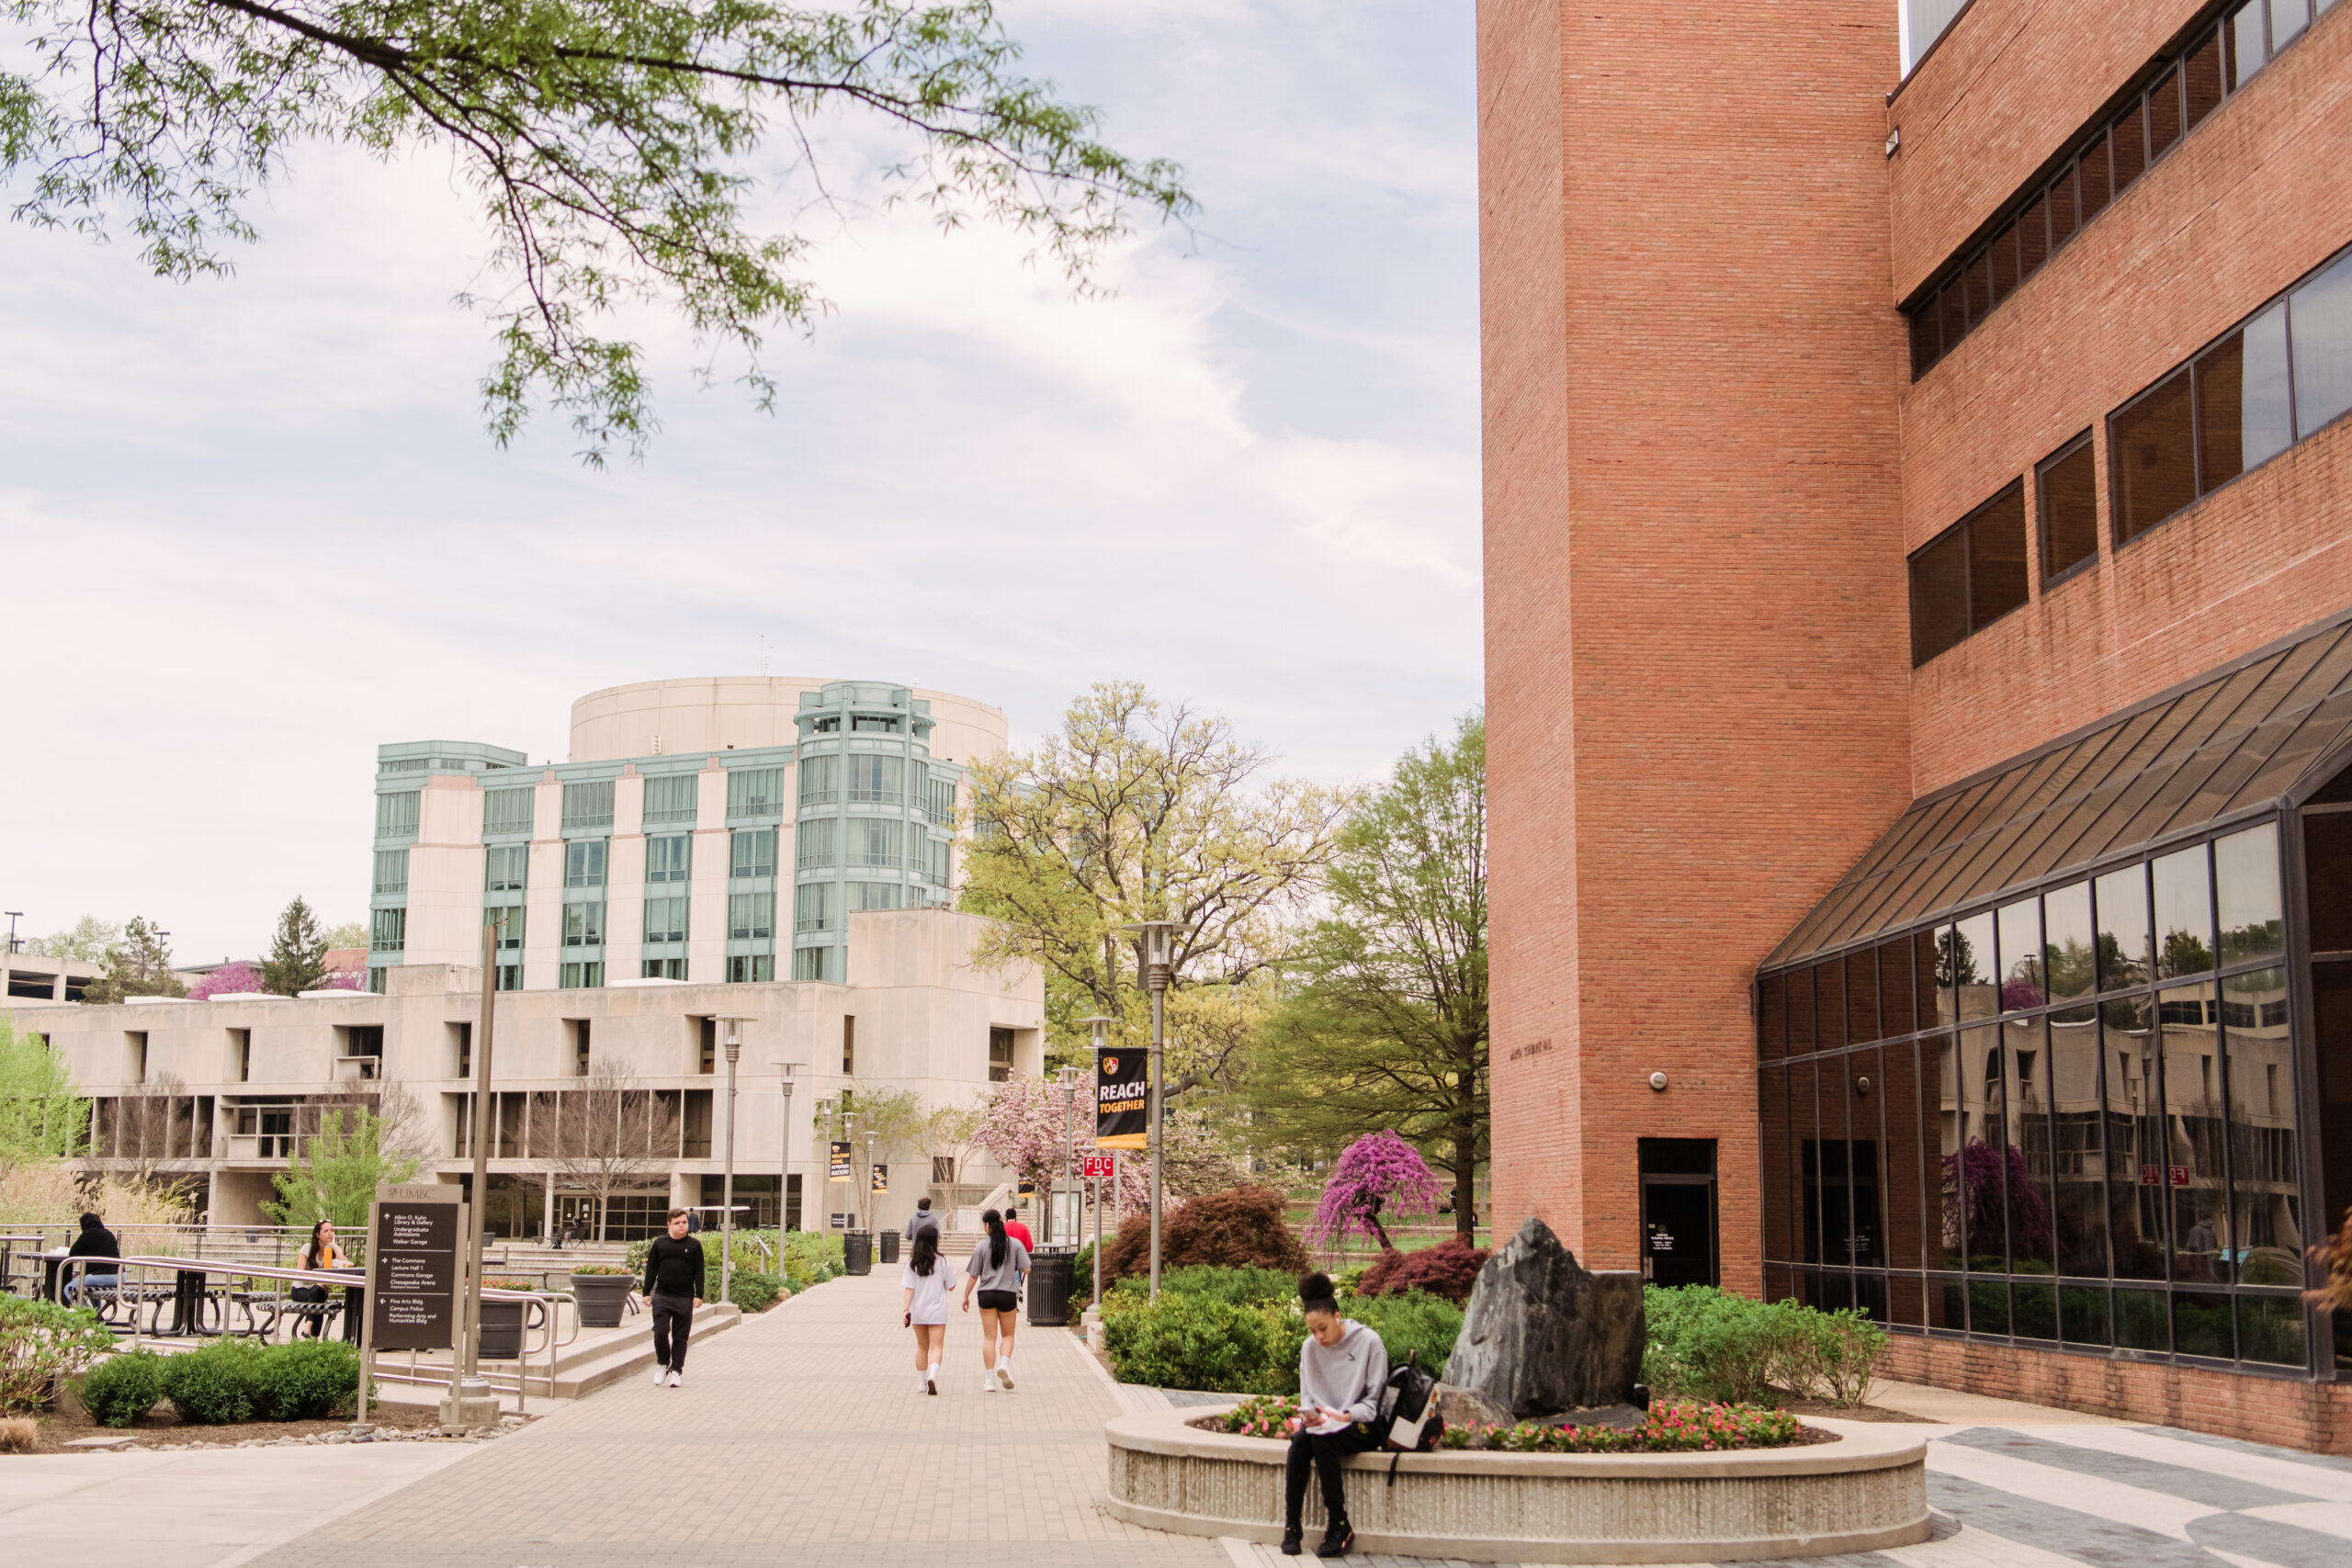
column 1069, row 1076
column 784, row 1177
column 1098, row 1024
column 465, row 1406
column 1157, row 957
column 727, row 1191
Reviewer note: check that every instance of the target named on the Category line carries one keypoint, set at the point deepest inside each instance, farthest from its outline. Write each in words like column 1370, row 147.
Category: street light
column 1068, row 1078
column 470, row 1403
column 727, row 1198
column 1098, row 1024
column 784, row 1179
column 1159, row 956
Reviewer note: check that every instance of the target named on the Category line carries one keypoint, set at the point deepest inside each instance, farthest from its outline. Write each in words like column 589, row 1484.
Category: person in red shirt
column 1018, row 1233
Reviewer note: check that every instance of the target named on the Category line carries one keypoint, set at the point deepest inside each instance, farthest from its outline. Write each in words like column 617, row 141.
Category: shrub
column 308, row 1379
column 18, row 1434
column 1830, row 1355
column 1713, row 1346
column 811, row 1257
column 1241, row 1287
column 1195, row 1341
column 1243, row 1227
column 607, row 1269
column 41, row 1346
column 1449, row 1269
column 216, row 1386
column 754, row 1291
column 1414, row 1321
column 121, row 1388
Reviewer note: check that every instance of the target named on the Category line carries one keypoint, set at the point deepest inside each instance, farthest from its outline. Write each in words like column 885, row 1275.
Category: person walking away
column 96, row 1241
column 1019, row 1231
column 673, row 1275
column 319, row 1252
column 926, row 1282
column 998, row 1267
column 921, row 1219
column 1343, row 1367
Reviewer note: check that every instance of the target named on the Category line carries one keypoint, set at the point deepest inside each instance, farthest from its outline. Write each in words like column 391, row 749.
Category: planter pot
column 502, row 1331
column 602, row 1298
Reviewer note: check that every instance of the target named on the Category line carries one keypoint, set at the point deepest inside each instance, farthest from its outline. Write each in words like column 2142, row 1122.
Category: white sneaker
column 677, row 1380
column 1004, row 1370
column 660, row 1376
column 988, row 1381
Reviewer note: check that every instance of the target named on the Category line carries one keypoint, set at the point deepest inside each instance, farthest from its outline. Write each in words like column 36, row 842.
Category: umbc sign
column 1122, row 1103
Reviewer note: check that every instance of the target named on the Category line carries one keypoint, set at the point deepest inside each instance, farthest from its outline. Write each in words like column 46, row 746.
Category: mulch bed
column 1804, row 1408
column 162, row 1428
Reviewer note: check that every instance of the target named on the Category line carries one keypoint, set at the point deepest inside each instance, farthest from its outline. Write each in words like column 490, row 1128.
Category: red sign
column 2180, row 1176
column 2152, row 1176
column 1098, row 1167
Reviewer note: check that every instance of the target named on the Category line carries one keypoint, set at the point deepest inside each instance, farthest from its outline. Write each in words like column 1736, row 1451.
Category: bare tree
column 150, row 1134
column 606, row 1135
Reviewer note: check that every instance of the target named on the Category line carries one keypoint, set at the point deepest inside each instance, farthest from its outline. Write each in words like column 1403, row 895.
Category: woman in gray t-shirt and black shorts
column 998, row 1266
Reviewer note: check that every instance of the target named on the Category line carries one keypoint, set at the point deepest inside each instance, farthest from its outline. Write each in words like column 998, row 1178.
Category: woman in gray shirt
column 998, row 1266
column 1342, row 1370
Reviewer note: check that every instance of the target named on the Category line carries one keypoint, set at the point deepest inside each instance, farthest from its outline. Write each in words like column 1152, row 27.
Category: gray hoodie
column 1348, row 1376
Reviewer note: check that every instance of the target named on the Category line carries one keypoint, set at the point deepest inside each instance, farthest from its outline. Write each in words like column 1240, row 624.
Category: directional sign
column 1099, row 1167
column 412, row 1295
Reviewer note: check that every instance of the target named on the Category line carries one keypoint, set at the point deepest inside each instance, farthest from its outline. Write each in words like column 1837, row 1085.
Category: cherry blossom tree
column 227, row 979
column 1377, row 1171
column 1023, row 1130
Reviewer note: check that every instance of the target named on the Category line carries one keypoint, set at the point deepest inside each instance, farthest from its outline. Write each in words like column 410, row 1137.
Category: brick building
column 1919, row 614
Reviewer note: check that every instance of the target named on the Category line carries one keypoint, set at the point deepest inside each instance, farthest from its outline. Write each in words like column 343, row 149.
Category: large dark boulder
column 1544, row 1334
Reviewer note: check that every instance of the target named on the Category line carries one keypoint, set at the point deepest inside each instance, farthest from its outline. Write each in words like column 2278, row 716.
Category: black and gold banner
column 839, row 1171
column 1122, row 1109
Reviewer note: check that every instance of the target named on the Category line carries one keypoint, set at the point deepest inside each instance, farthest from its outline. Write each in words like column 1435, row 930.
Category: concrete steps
column 586, row 1366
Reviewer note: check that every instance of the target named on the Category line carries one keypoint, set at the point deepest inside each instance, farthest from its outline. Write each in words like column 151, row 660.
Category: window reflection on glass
column 2082, row 1315
column 2069, row 953
column 1898, row 995
column 1977, row 1179
column 2264, row 1175
column 2020, row 927
column 1773, row 1019
column 1772, row 1111
column 2184, row 902
column 1862, row 998
column 2189, row 1166
column 1950, row 1121
column 584, row 925
column 1967, row 966
column 2123, row 954
column 2078, row 1157
column 2245, row 880
column 2024, row 1112
column 1830, row 1004
column 2134, row 1138
column 2271, row 1329
column 2323, row 329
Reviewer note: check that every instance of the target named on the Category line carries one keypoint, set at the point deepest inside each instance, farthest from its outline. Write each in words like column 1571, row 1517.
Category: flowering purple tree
column 227, row 978
column 1377, row 1171
column 344, row 980
column 1974, row 1179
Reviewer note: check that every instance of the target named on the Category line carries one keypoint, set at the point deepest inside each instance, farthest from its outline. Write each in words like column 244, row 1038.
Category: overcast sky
column 252, row 528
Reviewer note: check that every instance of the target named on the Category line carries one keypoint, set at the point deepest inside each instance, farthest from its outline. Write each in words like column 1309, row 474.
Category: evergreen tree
column 298, row 955
column 140, row 965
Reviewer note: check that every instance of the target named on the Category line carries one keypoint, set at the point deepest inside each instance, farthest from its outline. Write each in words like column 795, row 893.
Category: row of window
column 871, row 843
column 2110, row 155
column 391, row 871
column 396, row 814
column 670, row 799
column 743, row 968
column 2210, row 906
column 2275, row 378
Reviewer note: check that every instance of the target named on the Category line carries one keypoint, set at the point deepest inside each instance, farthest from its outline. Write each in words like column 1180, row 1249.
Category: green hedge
column 122, row 1388
column 1711, row 1345
column 1237, row 1330
column 808, row 1258
column 231, row 1381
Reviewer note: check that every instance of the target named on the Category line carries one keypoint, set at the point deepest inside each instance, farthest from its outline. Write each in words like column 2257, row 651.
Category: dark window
column 2005, row 264
column 1951, row 308
column 1801, row 1039
column 2154, row 456
column 1925, row 341
column 2328, row 854
column 2243, row 417
column 2201, row 79
column 999, row 1056
column 2130, row 141
column 849, row 1044
column 1862, row 998
column 1980, row 290
column 2033, row 236
column 2164, row 113
column 2063, row 222
column 1970, row 576
column 2095, row 185
column 2065, row 488
column 1772, row 1017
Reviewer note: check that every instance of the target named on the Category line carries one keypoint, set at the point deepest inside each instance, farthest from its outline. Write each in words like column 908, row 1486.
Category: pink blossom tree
column 1025, row 1130
column 1377, row 1171
column 226, row 980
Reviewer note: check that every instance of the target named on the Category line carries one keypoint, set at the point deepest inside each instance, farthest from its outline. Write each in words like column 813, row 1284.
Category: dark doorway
column 1678, row 1211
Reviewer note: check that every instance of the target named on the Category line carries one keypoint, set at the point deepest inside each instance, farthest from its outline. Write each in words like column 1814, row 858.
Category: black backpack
column 1408, row 1421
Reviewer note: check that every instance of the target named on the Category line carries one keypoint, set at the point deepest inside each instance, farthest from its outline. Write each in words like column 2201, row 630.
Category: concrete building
column 709, row 830
column 1918, row 566
column 218, row 1094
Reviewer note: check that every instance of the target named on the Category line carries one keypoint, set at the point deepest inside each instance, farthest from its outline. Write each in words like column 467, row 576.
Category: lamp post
column 470, row 1403
column 1069, row 1076
column 1098, row 1023
column 784, row 1177
column 726, row 1190
column 1159, row 956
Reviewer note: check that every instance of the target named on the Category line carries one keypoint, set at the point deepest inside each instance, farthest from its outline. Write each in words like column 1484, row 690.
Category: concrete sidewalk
column 798, row 1436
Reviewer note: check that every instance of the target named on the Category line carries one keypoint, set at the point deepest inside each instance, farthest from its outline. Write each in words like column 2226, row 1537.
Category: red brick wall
column 1696, row 610
column 2002, row 92
column 2252, row 199
column 2317, row 1417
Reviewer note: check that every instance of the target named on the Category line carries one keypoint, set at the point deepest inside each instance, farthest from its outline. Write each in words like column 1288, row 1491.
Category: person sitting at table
column 319, row 1252
column 96, row 1241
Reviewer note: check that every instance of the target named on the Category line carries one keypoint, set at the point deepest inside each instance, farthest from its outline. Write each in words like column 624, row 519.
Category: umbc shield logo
column 1110, row 1067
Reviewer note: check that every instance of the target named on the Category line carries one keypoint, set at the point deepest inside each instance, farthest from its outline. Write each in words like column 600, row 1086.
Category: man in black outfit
column 96, row 1241
column 673, row 1275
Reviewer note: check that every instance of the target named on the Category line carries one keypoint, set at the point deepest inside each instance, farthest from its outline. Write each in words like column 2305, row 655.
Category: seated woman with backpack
column 1343, row 1371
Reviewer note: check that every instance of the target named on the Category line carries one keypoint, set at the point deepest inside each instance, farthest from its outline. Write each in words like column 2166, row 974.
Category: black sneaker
column 1338, row 1542
column 1293, row 1541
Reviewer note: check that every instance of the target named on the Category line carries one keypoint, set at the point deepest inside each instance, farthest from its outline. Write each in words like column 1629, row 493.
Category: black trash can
column 1049, row 1283
column 857, row 1252
column 890, row 1240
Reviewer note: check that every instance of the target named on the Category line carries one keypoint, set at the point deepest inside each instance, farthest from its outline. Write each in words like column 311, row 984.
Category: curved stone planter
column 1864, row 1493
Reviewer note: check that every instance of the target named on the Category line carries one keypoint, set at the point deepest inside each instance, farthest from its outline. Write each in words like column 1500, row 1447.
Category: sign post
column 412, row 1269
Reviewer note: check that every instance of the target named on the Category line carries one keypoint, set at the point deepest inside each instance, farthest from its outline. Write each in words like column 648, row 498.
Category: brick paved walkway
column 798, row 1437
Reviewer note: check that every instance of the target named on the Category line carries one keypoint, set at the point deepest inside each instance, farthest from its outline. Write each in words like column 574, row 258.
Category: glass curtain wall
column 2068, row 1119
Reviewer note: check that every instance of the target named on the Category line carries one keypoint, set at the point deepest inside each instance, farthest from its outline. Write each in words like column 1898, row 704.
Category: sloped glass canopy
column 2230, row 743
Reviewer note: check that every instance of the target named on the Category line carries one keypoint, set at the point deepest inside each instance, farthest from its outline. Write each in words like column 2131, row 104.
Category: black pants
column 673, row 1319
column 1323, row 1451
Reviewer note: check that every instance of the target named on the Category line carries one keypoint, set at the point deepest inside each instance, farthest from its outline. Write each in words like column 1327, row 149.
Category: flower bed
column 1677, row 1427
